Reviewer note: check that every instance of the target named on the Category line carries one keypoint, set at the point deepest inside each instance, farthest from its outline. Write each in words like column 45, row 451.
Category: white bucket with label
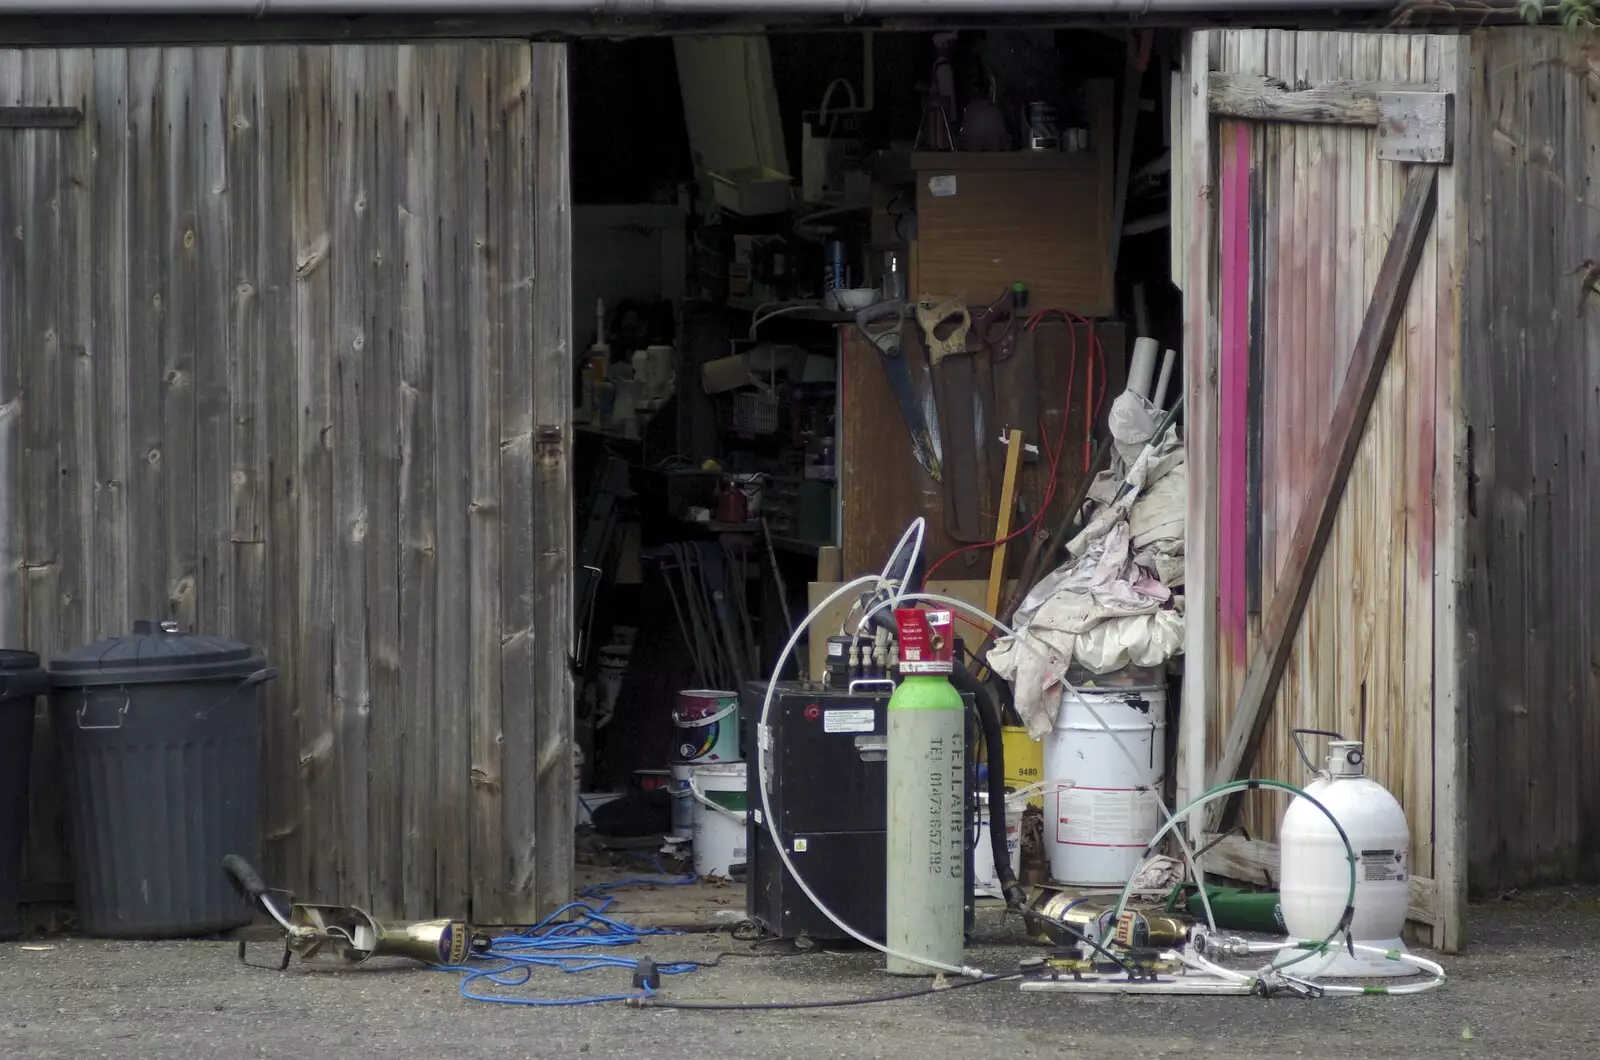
column 682, row 802
column 984, row 876
column 718, row 792
column 1097, row 828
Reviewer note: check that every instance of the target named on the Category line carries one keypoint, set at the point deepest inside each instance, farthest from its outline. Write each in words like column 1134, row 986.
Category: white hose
column 1061, row 675
column 1422, row 964
column 764, row 739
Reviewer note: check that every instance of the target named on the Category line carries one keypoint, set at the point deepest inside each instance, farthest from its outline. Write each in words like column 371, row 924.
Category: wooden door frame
column 551, row 472
column 1428, row 137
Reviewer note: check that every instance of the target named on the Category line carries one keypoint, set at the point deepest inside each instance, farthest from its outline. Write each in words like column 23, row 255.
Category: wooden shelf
column 1002, row 161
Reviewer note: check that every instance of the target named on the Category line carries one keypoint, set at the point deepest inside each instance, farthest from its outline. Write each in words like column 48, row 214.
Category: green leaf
column 1466, row 1034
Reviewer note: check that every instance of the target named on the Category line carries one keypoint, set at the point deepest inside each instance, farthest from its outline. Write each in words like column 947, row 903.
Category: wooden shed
column 284, row 353
column 1387, row 254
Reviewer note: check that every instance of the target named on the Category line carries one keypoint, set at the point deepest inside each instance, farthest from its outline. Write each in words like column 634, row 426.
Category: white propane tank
column 1314, row 877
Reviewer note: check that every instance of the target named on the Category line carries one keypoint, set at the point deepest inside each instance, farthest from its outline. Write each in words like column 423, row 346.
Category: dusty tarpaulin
column 1111, row 604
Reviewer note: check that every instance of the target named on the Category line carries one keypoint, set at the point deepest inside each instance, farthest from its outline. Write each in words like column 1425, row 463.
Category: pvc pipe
column 1143, row 369
column 846, row 9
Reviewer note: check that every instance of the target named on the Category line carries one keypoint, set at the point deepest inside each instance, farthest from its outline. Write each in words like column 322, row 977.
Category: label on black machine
column 849, row 720
column 1383, row 866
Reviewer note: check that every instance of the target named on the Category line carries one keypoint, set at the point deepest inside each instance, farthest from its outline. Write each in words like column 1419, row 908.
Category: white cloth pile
column 1111, row 604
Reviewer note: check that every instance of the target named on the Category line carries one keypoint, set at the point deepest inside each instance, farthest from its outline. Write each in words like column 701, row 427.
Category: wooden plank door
column 285, row 357
column 1319, row 249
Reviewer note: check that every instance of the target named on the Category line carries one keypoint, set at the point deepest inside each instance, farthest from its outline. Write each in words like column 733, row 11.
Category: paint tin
column 705, row 727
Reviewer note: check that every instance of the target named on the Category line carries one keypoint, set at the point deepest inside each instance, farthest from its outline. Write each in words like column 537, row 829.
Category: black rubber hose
column 989, row 717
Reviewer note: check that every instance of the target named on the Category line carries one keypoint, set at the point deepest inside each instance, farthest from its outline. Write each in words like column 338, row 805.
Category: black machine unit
column 829, row 803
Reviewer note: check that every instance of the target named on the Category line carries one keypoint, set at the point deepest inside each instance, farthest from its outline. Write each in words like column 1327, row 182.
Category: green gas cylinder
column 926, row 877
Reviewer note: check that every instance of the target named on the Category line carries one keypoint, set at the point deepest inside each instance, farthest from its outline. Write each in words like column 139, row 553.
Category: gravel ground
column 1526, row 990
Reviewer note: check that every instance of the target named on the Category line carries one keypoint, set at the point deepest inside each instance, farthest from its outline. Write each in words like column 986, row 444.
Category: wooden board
column 881, row 486
column 1256, row 861
column 986, row 228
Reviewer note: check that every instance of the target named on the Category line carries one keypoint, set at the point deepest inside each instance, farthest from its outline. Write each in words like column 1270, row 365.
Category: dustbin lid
column 20, row 674
column 151, row 655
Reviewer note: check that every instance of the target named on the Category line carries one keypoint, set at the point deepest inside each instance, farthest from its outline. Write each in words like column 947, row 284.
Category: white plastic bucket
column 718, row 792
column 1097, row 828
column 984, row 876
column 705, row 727
column 682, row 802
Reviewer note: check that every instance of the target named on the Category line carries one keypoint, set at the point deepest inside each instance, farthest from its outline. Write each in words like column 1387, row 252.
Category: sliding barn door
column 1319, row 257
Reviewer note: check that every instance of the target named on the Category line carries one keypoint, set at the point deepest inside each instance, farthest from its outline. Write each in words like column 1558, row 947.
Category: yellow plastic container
column 1024, row 761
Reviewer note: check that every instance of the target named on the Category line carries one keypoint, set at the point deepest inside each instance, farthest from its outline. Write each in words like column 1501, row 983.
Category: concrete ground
column 1526, row 990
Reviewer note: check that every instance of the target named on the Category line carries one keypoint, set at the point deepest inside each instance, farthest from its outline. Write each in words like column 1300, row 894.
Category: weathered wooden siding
column 1531, row 387
column 285, row 357
column 1303, row 214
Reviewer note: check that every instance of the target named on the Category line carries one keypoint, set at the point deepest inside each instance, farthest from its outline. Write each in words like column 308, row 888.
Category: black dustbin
column 160, row 736
column 22, row 681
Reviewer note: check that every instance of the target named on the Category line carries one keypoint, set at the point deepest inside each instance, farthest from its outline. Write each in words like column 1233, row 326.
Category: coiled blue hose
column 572, row 939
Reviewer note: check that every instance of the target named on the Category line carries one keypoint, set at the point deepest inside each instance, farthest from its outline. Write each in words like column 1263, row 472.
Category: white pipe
column 847, row 9
column 1142, row 372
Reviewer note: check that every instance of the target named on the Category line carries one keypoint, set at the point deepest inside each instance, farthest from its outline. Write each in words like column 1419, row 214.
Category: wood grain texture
column 419, row 277
column 1529, row 333
column 13, row 525
column 1450, row 801
column 382, row 297
column 214, row 361
column 287, row 759
column 1044, row 227
column 1340, row 102
column 552, row 490
column 481, row 274
column 452, row 674
column 882, row 487
column 1201, row 671
column 278, row 382
column 515, row 159
column 349, row 231
column 1326, row 489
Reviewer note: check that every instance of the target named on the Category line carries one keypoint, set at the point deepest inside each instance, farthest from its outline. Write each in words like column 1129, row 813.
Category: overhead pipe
column 848, row 9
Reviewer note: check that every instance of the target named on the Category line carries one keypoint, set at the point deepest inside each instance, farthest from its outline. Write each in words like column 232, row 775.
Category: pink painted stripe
column 1233, row 381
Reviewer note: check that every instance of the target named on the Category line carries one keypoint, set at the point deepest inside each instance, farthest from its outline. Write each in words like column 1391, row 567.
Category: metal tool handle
column 871, row 682
column 695, row 723
column 247, row 880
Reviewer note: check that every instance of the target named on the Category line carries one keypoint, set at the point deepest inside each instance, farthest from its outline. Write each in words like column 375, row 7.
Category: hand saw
column 881, row 325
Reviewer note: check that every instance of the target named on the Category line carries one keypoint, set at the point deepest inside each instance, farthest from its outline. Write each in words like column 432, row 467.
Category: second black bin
column 160, row 736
